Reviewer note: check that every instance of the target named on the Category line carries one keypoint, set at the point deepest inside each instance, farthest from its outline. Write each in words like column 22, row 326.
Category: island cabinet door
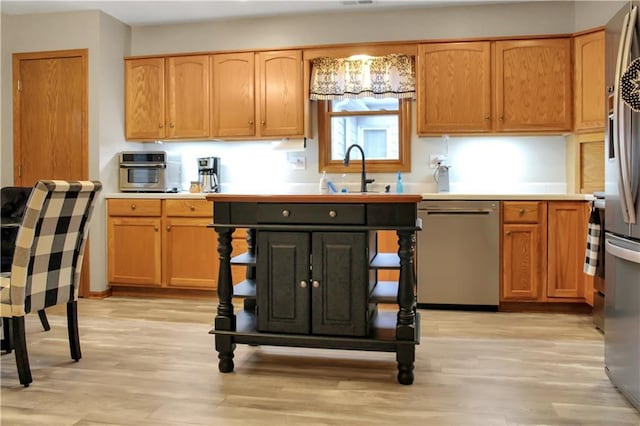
column 282, row 286
column 339, row 283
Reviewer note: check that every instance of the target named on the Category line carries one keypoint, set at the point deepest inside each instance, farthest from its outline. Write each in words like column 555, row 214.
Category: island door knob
column 332, row 213
column 303, row 284
column 286, row 213
column 316, row 284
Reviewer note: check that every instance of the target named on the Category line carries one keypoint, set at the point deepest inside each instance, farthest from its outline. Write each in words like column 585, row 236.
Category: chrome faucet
column 363, row 179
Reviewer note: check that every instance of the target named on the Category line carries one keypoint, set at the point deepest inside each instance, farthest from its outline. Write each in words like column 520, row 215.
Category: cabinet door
column 134, row 245
column 233, row 105
column 280, row 84
column 567, row 243
column 454, row 84
column 190, row 258
column 282, row 286
column 533, row 85
column 144, row 99
column 188, row 96
column 589, row 82
column 340, row 282
column 523, row 262
column 388, row 243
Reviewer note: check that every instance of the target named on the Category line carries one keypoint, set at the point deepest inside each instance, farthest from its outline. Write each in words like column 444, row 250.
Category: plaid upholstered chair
column 47, row 261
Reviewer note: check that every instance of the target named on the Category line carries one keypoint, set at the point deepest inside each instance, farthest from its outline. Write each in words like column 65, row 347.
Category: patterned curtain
column 391, row 76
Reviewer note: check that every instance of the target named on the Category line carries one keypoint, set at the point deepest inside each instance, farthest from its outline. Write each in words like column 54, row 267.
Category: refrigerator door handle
column 622, row 253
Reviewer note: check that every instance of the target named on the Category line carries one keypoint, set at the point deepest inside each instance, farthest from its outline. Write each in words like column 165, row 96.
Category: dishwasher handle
column 459, row 212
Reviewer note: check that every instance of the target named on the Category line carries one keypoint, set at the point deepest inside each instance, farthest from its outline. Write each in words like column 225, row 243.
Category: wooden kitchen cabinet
column 134, row 242
column 524, row 250
column 588, row 80
column 161, row 243
column 257, row 95
column 567, row 234
column 533, row 87
column 543, row 248
column 454, row 87
column 167, row 98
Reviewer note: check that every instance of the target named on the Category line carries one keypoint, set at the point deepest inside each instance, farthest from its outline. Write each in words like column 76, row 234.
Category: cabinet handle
column 133, row 206
column 155, row 228
column 303, row 284
column 168, row 227
column 332, row 213
column 316, row 284
column 286, row 213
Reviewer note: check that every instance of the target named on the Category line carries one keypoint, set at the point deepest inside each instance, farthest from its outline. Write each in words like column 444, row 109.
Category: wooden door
column 522, row 262
column 283, row 282
column 233, row 96
column 567, row 244
column 50, row 124
column 190, row 260
column 281, row 103
column 134, row 251
column 454, row 84
column 188, row 97
column 589, row 82
column 144, row 99
column 339, row 293
column 533, row 85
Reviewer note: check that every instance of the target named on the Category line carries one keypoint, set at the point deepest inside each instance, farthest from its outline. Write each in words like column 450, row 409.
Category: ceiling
column 167, row 11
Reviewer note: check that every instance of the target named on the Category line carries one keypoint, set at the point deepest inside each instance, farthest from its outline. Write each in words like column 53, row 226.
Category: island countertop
column 367, row 197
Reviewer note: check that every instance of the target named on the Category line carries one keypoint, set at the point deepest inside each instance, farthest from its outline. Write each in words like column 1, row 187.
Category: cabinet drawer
column 133, row 207
column 353, row 214
column 522, row 211
column 189, row 207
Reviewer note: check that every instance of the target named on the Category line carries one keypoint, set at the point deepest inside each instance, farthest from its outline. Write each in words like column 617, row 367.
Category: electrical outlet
column 434, row 159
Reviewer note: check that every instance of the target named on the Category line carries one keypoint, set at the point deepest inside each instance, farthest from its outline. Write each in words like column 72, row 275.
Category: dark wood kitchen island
column 311, row 277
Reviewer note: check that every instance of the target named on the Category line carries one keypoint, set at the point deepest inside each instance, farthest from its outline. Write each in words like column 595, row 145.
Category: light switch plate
column 297, row 161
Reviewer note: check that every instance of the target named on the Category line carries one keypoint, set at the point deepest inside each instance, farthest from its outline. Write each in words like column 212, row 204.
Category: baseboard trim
column 99, row 294
column 556, row 307
column 173, row 293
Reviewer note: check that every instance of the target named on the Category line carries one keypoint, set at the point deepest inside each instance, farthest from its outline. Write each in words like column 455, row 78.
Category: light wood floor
column 152, row 362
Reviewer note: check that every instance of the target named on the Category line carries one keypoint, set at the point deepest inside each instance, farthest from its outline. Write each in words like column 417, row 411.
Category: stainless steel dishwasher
column 458, row 255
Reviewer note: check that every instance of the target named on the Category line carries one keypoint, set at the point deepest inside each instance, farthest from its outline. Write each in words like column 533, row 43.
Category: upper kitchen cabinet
column 533, row 85
column 167, row 98
column 258, row 95
column 589, row 82
column 454, row 87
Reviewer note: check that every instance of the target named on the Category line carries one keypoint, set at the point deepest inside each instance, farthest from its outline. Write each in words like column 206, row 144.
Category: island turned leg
column 250, row 302
column 406, row 323
column 225, row 318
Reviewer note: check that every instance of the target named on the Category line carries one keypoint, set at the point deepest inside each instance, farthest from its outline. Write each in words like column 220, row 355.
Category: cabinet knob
column 155, row 228
column 501, row 118
column 333, row 213
column 133, row 206
column 507, row 233
column 171, row 125
column 192, row 208
column 263, row 122
column 160, row 126
column 168, row 227
column 286, row 213
column 303, row 284
column 251, row 122
column 487, row 118
column 316, row 284
column 521, row 212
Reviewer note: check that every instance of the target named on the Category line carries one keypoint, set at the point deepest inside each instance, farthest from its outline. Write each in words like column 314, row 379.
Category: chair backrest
column 50, row 245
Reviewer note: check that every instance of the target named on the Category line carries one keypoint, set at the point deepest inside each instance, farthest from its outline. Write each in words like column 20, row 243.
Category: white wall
column 591, row 14
column 108, row 41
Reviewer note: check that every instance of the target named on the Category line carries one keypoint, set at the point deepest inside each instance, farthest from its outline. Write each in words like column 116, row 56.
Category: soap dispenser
column 324, row 185
column 399, row 186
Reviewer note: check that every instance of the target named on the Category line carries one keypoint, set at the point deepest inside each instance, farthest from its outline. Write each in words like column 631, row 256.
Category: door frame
column 17, row 136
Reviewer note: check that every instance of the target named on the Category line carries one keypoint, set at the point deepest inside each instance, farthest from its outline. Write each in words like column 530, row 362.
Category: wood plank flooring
column 152, row 362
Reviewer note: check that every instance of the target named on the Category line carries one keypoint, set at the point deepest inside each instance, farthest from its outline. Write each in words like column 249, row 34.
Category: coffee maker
column 209, row 174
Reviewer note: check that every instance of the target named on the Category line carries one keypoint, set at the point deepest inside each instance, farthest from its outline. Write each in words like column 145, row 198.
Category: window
column 382, row 127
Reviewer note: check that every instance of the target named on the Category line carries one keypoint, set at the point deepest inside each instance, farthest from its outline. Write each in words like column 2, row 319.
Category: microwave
column 149, row 171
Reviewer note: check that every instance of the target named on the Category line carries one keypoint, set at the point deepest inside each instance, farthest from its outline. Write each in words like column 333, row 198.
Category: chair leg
column 7, row 342
column 20, row 345
column 72, row 327
column 43, row 320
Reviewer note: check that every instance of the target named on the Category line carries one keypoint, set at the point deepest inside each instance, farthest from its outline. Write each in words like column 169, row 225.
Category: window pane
column 377, row 134
column 365, row 104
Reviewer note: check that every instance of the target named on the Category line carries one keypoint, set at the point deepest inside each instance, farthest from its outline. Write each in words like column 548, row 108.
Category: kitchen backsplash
column 532, row 164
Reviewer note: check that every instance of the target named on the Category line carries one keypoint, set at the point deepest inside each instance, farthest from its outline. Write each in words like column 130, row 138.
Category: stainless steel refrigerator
column 622, row 202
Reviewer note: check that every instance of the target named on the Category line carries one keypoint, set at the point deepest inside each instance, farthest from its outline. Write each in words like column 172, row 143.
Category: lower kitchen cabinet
column 313, row 283
column 543, row 247
column 161, row 243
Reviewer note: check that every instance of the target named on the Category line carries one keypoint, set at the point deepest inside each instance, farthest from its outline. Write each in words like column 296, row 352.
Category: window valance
column 379, row 77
